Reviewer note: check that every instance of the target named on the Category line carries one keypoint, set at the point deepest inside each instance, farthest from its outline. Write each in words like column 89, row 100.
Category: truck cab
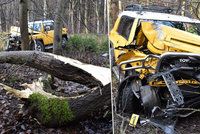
column 138, row 32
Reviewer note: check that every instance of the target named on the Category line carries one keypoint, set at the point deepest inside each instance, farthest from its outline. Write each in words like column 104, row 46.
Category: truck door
column 123, row 33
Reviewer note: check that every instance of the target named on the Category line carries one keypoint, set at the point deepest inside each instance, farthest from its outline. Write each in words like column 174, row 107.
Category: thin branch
column 7, row 2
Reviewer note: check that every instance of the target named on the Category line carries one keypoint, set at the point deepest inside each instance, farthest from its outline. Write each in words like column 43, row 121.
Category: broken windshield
column 189, row 27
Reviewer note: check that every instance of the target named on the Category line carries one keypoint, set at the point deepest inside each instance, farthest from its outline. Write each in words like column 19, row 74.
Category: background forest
column 189, row 8
column 86, row 21
column 81, row 16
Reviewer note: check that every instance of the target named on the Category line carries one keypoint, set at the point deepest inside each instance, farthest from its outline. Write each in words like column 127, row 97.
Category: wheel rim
column 37, row 47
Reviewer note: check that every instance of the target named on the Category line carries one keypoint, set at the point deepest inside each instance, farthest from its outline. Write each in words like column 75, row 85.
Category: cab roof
column 41, row 21
column 157, row 16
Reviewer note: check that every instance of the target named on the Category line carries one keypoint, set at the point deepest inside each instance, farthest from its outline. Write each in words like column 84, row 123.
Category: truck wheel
column 127, row 102
column 37, row 46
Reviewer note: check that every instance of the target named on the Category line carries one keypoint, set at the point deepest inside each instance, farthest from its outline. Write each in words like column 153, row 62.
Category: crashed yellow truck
column 40, row 34
column 156, row 57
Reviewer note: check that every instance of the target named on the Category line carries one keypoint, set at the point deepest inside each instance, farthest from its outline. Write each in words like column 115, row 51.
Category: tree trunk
column 79, row 17
column 105, row 17
column 85, row 17
column 3, row 19
column 97, row 15
column 120, row 6
column 23, row 17
column 58, row 26
column 187, row 8
column 82, row 106
column 91, row 102
column 59, row 66
column 114, row 11
column 183, row 8
column 45, row 9
column 71, row 11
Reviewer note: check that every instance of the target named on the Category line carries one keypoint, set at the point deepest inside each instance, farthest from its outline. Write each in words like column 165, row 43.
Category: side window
column 125, row 25
column 37, row 27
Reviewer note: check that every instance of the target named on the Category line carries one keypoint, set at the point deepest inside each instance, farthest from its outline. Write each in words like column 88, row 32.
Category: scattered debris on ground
column 186, row 125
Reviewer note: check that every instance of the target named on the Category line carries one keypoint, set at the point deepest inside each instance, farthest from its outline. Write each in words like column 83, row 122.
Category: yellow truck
column 156, row 57
column 41, row 36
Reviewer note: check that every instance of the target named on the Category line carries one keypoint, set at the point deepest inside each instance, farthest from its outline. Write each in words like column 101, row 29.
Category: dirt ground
column 188, row 125
column 15, row 119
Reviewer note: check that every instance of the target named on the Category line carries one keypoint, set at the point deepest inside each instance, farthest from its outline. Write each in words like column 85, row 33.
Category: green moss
column 51, row 111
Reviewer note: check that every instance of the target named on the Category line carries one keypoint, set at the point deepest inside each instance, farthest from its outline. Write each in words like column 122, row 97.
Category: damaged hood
column 162, row 37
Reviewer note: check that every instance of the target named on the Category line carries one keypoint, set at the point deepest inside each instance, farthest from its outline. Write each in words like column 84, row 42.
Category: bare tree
column 79, row 17
column 97, row 17
column 105, row 17
column 114, row 10
column 86, row 16
column 58, row 26
column 71, row 11
column 23, row 17
column 3, row 18
column 45, row 9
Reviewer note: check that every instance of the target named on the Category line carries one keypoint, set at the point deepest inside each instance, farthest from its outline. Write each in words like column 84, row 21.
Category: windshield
column 189, row 27
column 37, row 26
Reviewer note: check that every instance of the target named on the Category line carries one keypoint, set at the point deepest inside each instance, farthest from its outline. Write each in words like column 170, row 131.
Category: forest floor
column 14, row 118
column 189, row 125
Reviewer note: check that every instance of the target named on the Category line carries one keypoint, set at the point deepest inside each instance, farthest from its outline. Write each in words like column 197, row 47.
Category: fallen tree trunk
column 81, row 106
column 97, row 78
column 60, row 67
column 91, row 102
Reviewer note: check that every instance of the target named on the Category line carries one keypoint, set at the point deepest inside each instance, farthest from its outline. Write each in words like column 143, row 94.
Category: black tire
column 149, row 99
column 127, row 102
column 37, row 46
